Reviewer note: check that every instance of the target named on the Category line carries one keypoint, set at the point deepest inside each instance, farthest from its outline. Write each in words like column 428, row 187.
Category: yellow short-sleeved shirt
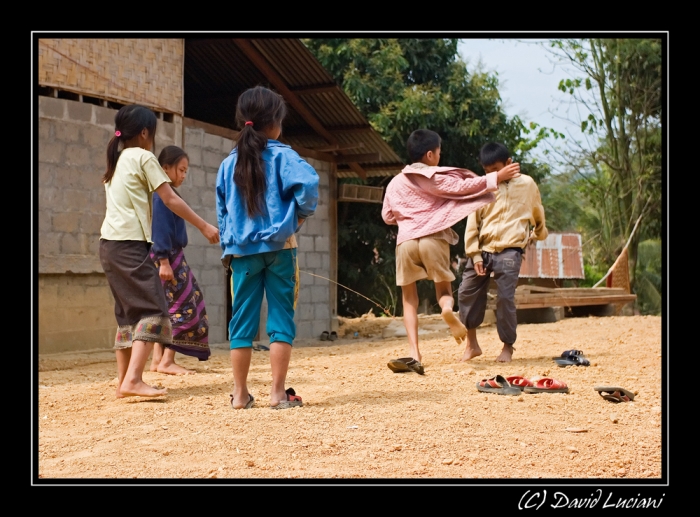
column 130, row 196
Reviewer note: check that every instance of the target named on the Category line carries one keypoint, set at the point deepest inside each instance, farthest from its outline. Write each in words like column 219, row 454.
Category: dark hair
column 493, row 152
column 128, row 122
column 171, row 155
column 420, row 142
column 258, row 108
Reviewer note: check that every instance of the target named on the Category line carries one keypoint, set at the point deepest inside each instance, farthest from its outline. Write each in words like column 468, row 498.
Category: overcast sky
column 527, row 78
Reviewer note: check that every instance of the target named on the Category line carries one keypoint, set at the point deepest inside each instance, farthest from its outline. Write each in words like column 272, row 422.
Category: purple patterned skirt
column 188, row 314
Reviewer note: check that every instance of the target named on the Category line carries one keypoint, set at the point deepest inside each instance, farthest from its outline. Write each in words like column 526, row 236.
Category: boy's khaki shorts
column 418, row 259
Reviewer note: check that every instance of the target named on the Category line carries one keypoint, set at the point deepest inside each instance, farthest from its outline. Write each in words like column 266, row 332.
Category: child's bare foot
column 471, row 352
column 473, row 349
column 154, row 366
column 174, row 369
column 506, row 354
column 139, row 389
column 459, row 331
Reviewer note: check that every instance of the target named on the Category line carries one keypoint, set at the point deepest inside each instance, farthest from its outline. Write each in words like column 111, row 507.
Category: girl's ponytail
column 258, row 109
column 128, row 122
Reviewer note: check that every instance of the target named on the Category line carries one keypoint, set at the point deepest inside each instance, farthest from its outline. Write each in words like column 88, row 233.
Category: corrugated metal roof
column 558, row 256
column 321, row 116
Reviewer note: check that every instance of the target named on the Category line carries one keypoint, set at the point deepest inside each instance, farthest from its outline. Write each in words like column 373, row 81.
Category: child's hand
column 165, row 272
column 211, row 233
column 479, row 268
column 509, row 172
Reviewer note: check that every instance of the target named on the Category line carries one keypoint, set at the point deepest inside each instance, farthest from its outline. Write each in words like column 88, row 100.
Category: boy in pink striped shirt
column 425, row 201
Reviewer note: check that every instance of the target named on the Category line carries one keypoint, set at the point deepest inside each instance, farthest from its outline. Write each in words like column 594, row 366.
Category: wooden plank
column 542, row 302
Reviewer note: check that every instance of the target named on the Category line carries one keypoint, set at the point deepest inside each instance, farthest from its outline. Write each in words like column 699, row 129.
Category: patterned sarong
column 188, row 314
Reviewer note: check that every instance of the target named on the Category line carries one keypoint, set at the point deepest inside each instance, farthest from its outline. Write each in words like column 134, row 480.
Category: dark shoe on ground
column 325, row 336
column 572, row 358
column 614, row 393
column 498, row 385
column 333, row 336
column 406, row 364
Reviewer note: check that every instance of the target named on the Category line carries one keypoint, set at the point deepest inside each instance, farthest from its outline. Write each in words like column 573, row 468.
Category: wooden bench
column 535, row 297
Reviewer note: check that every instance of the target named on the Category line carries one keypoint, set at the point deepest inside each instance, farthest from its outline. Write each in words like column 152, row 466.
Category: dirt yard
column 361, row 420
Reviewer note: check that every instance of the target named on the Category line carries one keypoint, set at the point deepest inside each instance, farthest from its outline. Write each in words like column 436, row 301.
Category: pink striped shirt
column 423, row 200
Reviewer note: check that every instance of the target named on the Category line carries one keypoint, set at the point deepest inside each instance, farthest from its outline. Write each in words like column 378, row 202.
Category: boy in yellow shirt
column 495, row 240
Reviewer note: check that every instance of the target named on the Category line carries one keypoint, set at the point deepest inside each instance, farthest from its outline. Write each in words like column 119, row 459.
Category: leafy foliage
column 617, row 88
column 401, row 85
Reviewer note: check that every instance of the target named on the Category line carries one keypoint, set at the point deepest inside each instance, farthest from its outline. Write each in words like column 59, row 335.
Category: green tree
column 401, row 85
column 616, row 85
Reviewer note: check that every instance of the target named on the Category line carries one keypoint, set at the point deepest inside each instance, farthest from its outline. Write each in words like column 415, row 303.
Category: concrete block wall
column 316, row 309
column 206, row 152
column 76, row 308
column 315, row 312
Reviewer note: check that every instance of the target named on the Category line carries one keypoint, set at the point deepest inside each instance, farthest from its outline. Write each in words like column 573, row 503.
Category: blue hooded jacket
column 291, row 193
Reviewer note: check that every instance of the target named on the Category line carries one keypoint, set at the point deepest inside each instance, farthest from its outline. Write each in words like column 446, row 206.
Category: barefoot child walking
column 495, row 240
column 132, row 175
column 264, row 192
column 425, row 201
column 188, row 313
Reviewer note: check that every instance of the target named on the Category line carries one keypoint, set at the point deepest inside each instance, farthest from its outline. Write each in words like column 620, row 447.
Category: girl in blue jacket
column 264, row 192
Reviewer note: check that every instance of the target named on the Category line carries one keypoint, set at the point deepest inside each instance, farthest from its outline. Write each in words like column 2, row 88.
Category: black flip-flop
column 406, row 364
column 572, row 360
column 615, row 393
column 249, row 404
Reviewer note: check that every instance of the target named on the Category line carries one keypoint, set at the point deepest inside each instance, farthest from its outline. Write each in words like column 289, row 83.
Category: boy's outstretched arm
column 387, row 213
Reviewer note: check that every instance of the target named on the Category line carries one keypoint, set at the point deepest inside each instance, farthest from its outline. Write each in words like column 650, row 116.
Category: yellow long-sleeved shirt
column 506, row 222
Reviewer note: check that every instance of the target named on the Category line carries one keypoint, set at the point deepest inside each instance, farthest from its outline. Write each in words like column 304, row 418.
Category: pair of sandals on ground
column 293, row 400
column 516, row 384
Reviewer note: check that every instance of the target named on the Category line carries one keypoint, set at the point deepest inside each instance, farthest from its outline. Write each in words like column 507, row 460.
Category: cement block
column 97, row 138
column 305, row 311
column 105, row 117
column 49, row 244
column 304, row 330
column 50, row 107
column 321, row 311
column 317, row 327
column 319, row 294
column 66, row 222
column 51, row 151
column 322, row 243
column 211, row 159
column 212, row 141
column 79, row 111
column 198, row 175
column 305, row 243
column 313, row 260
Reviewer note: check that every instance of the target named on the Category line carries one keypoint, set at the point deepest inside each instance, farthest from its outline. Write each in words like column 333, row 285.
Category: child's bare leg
column 240, row 364
column 410, row 318
column 473, row 349
column 506, row 354
column 123, row 358
column 156, row 357
column 167, row 364
column 132, row 384
column 280, row 354
column 443, row 291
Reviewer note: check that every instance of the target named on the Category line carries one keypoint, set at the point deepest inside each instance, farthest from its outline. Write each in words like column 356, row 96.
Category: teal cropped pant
column 274, row 274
